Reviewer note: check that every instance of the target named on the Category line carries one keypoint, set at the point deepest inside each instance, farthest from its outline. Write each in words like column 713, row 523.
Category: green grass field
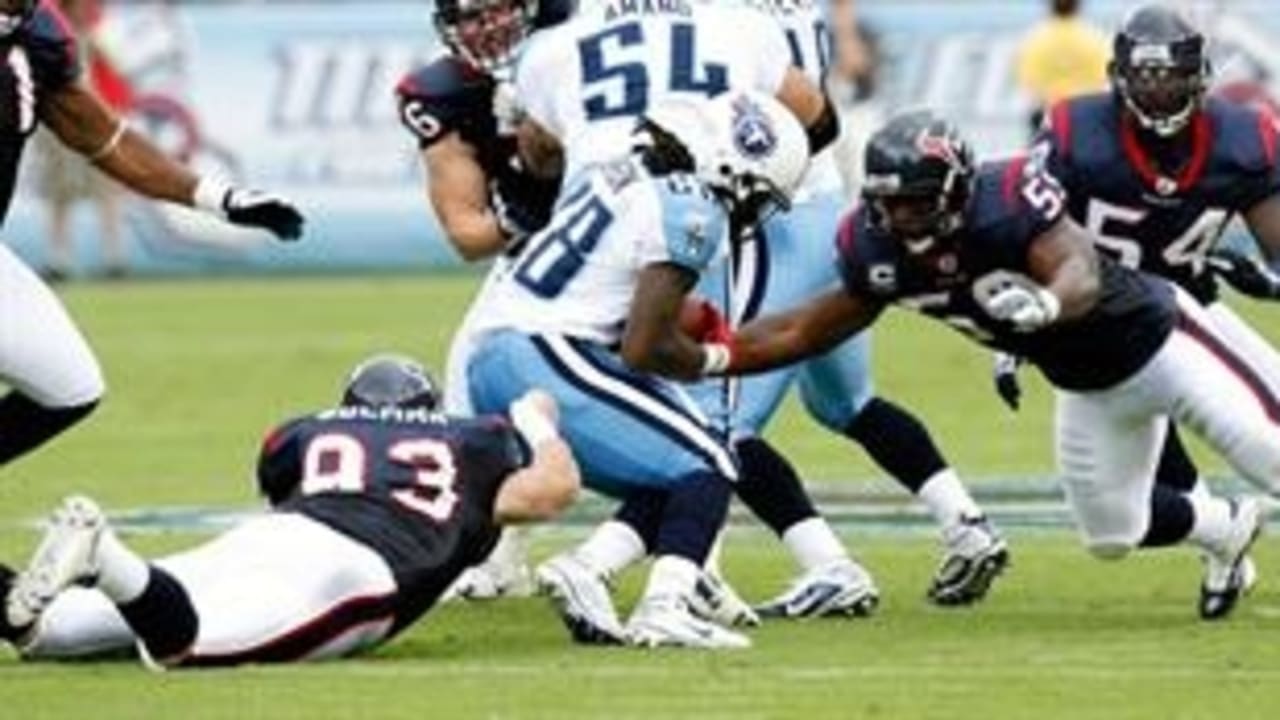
column 199, row 369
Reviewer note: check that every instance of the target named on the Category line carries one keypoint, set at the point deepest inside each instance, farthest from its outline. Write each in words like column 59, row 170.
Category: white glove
column 1026, row 308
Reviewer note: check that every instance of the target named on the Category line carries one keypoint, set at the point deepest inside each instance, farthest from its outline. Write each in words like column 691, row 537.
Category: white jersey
column 577, row 276
column 586, row 81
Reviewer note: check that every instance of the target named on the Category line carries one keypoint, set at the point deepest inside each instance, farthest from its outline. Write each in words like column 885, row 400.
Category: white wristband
column 715, row 358
column 531, row 423
column 209, row 195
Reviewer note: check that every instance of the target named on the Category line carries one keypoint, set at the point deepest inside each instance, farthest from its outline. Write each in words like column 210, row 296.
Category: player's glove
column 1005, row 375
column 1250, row 275
column 251, row 208
column 1027, row 309
column 515, row 220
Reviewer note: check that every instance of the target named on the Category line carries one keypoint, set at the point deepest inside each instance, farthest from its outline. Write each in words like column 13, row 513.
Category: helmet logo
column 940, row 147
column 753, row 133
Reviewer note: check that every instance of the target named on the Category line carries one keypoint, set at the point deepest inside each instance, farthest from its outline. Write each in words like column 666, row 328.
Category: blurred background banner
column 297, row 97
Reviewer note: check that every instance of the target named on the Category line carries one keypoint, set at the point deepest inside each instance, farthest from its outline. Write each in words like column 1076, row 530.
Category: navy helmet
column 1160, row 68
column 390, row 380
column 919, row 177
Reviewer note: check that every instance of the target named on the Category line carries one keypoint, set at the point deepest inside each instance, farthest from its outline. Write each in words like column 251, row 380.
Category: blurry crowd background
column 295, row 95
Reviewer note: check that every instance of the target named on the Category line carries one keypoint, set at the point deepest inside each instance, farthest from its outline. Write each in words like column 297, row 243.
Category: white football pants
column 278, row 587
column 1108, row 442
column 42, row 354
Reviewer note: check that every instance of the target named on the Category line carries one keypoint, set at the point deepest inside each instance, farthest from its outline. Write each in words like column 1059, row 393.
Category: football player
column 590, row 311
column 1156, row 170
column 459, row 109
column 992, row 252
column 54, row 378
column 378, row 505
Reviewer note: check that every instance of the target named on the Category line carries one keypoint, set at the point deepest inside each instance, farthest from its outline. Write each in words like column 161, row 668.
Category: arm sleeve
column 688, row 228
column 442, row 97
column 280, row 463
column 51, row 46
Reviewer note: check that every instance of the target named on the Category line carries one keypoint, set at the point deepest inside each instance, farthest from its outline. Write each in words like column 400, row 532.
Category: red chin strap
column 1140, row 160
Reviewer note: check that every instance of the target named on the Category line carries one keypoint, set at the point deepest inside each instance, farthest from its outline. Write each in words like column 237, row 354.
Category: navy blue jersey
column 416, row 487
column 451, row 96
column 39, row 59
column 1160, row 209
column 1010, row 208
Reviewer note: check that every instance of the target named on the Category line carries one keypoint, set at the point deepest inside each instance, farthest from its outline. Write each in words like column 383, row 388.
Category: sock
column 712, row 563
column 1172, row 518
column 122, row 574
column 671, row 575
column 611, row 548
column 1212, row 524
column 898, row 443
column 512, row 548
column 641, row 510
column 947, row 498
column 26, row 424
column 694, row 513
column 770, row 487
column 1176, row 470
column 813, row 544
column 162, row 617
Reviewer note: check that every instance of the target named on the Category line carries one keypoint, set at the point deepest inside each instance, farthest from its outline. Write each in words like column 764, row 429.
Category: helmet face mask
column 486, row 33
column 1160, row 69
column 390, row 381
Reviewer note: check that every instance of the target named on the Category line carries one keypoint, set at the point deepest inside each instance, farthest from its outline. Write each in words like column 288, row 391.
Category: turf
column 198, row 370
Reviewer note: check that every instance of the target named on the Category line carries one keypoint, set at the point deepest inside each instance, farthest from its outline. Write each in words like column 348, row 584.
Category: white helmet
column 745, row 145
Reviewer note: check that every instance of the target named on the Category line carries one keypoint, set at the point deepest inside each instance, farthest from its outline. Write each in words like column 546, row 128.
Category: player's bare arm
column 551, row 481
column 540, row 151
column 1063, row 259
column 84, row 123
column 653, row 341
column 1263, row 220
column 811, row 107
column 458, row 190
column 808, row 330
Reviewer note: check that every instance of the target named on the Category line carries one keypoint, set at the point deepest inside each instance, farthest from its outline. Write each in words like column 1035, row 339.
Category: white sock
column 813, row 544
column 122, row 574
column 672, row 575
column 611, row 548
column 712, row 563
column 1212, row 524
column 947, row 499
column 512, row 548
column 1199, row 490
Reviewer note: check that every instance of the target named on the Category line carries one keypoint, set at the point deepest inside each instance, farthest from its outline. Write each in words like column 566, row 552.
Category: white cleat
column 974, row 556
column 490, row 581
column 665, row 621
column 1230, row 574
column 581, row 597
column 65, row 555
column 840, row 588
column 715, row 600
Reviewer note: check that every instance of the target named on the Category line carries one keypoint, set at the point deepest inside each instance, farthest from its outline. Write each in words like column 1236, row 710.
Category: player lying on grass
column 378, row 505
column 54, row 377
column 990, row 251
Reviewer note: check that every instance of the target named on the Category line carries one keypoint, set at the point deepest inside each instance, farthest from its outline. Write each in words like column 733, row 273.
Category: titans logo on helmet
column 753, row 135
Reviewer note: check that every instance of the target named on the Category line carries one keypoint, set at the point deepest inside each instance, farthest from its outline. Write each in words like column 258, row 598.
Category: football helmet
column 919, row 177
column 14, row 14
column 390, row 380
column 747, row 147
column 488, row 33
column 1160, row 68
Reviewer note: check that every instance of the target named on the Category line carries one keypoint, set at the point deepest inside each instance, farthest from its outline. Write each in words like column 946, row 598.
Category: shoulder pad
column 443, row 96
column 1245, row 135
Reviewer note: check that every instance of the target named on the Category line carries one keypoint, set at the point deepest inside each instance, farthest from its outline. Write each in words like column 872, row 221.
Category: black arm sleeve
column 823, row 131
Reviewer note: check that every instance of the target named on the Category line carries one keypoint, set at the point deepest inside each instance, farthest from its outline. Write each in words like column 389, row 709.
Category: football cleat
column 666, row 621
column 490, row 581
column 581, row 598
column 840, row 588
column 975, row 555
column 7, row 631
column 1231, row 573
column 715, row 600
column 66, row 555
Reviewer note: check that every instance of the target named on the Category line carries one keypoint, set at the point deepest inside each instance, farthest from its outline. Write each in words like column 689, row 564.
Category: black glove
column 517, row 219
column 1005, row 374
column 251, row 208
column 1250, row 275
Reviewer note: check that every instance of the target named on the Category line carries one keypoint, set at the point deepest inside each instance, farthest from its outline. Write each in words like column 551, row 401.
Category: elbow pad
column 823, row 131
